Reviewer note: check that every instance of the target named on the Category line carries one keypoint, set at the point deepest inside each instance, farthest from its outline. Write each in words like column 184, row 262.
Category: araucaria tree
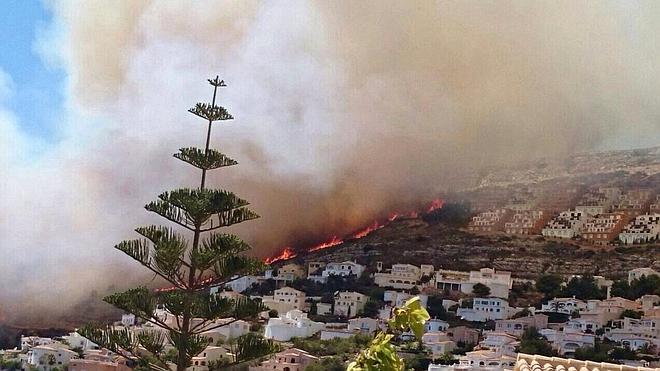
column 192, row 257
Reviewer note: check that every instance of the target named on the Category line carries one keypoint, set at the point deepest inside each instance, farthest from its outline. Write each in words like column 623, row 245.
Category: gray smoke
column 344, row 111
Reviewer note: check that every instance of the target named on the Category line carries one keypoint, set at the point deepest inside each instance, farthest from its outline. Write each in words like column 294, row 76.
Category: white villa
column 499, row 282
column 363, row 325
column 567, row 341
column 285, row 299
column 565, row 225
column 45, row 357
column 485, row 309
column 635, row 333
column 479, row 360
column 638, row 273
column 403, row 276
column 500, row 342
column 643, row 229
column 438, row 343
column 292, row 324
column 564, row 305
column 343, row 269
column 231, row 330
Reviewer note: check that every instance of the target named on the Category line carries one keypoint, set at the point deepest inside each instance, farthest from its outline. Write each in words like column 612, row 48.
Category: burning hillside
column 289, row 252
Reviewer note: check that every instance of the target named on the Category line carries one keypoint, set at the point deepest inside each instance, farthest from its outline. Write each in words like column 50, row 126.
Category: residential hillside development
column 478, row 319
column 599, row 216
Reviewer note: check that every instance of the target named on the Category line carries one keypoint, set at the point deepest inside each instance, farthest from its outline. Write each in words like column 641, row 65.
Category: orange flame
column 288, row 253
column 435, row 204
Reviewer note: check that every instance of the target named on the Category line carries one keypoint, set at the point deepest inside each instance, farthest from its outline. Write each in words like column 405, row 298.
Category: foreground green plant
column 381, row 355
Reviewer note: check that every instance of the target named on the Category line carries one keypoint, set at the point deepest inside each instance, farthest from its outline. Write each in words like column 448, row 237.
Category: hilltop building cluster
column 597, row 216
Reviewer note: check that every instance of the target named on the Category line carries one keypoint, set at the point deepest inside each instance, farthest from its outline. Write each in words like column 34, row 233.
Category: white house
column 435, row 325
column 238, row 284
column 500, row 342
column 343, row 269
column 47, row 357
column 438, row 343
column 285, row 299
column 75, row 340
column 567, row 341
column 643, row 229
column 292, row 324
column 565, row 225
column 479, row 360
column 485, row 309
column 231, row 329
column 364, row 325
column 564, row 305
column 349, row 303
column 28, row 342
column 499, row 283
column 517, row 326
column 638, row 273
column 602, row 311
column 403, row 276
column 210, row 354
column 632, row 331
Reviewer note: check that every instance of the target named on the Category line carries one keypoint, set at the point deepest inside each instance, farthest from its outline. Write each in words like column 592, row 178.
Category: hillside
column 414, row 241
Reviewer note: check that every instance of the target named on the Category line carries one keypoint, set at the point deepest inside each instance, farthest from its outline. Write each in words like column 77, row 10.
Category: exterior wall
column 288, row 360
column 463, row 334
column 490, row 221
column 364, row 325
column 290, row 296
column 39, row 356
column 349, row 304
column 294, row 324
column 401, row 276
column 640, row 272
column 517, row 326
column 564, row 305
column 603, row 228
column 643, row 229
column 501, row 343
column 343, row 269
column 291, row 272
column 484, row 309
column 565, row 225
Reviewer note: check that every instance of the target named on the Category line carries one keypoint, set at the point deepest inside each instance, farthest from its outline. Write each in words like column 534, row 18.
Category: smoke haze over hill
column 344, row 111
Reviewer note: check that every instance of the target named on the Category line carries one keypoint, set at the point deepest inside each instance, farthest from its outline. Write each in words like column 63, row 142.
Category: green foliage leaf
column 411, row 316
column 138, row 301
column 210, row 112
column 381, row 355
column 191, row 345
column 236, row 265
column 196, row 157
column 169, row 248
column 194, row 207
column 215, row 247
column 251, row 346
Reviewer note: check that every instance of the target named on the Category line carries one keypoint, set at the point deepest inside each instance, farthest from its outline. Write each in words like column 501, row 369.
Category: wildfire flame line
column 289, row 253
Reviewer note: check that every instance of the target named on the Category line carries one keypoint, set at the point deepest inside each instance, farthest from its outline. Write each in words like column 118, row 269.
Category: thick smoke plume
column 344, row 111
